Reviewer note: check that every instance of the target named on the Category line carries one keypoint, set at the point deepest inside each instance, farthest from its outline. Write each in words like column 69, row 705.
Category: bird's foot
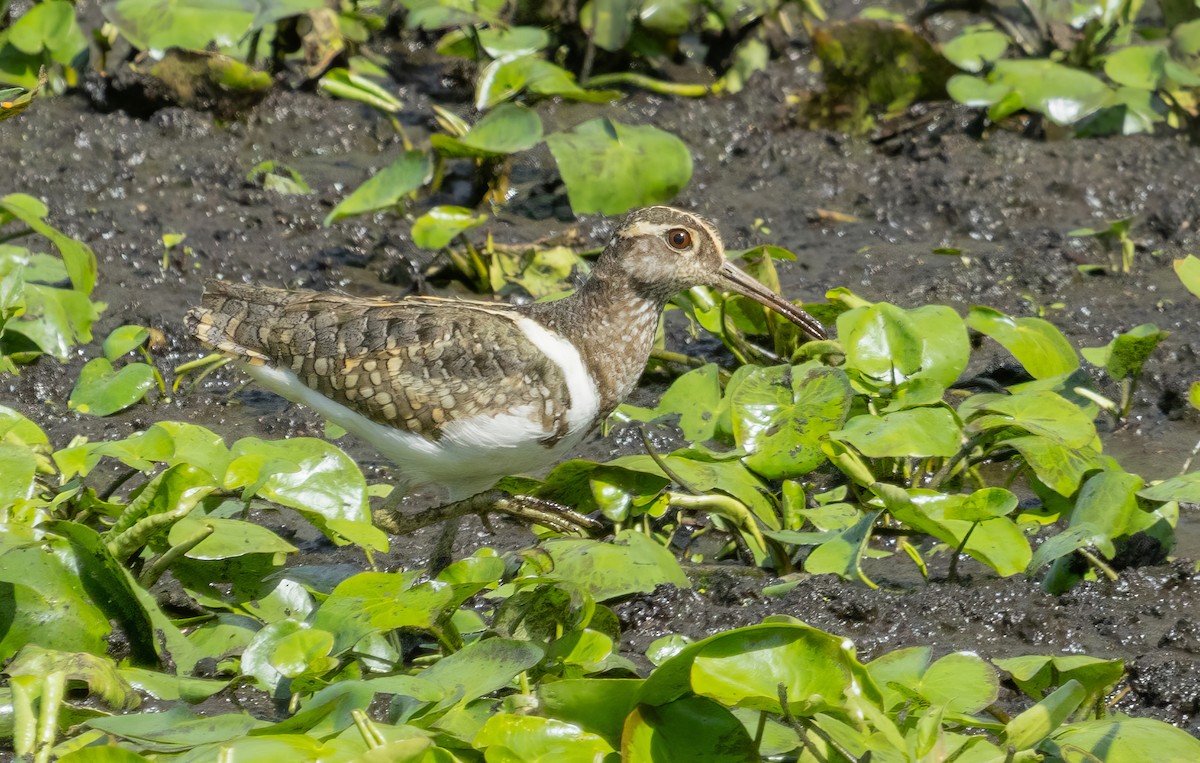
column 526, row 508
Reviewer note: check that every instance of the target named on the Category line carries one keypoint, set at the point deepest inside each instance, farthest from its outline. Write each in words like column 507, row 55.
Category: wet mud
column 1006, row 202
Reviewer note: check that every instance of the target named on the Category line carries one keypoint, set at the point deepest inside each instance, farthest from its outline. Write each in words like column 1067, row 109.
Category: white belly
column 471, row 454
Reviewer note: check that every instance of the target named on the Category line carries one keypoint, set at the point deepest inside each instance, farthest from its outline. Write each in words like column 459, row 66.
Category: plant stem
column 156, row 568
column 1099, row 564
column 651, row 84
column 952, row 574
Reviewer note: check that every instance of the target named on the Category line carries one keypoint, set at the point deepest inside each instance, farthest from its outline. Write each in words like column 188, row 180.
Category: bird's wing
column 417, row 364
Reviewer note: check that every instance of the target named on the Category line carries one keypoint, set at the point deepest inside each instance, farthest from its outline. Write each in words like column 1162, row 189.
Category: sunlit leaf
column 1129, row 740
column 891, row 346
column 976, row 48
column 842, row 555
column 1125, row 355
column 914, row 432
column 440, row 225
column 189, row 24
column 997, row 543
column 387, row 188
column 631, row 563
column 597, row 705
column 482, row 667
column 376, row 602
column 1188, row 270
column 687, row 729
column 98, row 672
column 1041, row 413
column 610, row 167
column 1034, row 342
column 517, row 738
column 507, row 129
column 309, row 475
column 504, row 79
column 102, row 390
column 230, row 538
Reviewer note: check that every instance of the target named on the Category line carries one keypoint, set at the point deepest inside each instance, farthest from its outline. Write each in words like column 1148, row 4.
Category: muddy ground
column 120, row 183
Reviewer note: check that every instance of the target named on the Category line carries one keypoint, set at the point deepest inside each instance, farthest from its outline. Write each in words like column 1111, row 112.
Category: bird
column 461, row 393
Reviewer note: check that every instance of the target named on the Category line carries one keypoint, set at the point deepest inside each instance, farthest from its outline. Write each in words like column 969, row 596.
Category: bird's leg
column 533, row 510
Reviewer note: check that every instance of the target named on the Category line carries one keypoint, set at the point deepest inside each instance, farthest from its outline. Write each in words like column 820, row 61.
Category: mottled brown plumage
column 414, row 364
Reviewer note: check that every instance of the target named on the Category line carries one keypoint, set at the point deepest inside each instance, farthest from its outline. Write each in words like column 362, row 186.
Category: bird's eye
column 679, row 238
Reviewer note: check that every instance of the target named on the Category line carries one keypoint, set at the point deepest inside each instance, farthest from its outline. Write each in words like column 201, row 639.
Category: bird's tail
column 237, row 319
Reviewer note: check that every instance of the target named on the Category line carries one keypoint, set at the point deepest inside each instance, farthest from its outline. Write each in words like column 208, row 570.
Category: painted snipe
column 458, row 393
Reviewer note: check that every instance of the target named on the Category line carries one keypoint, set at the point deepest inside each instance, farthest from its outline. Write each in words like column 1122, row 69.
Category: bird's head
column 663, row 251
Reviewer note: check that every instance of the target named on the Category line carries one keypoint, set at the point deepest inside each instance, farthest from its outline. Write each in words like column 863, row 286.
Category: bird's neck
column 612, row 322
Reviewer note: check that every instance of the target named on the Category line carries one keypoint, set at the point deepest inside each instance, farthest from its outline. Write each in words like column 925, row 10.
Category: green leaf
column 516, row 738
column 1059, row 466
column 377, row 602
column 632, row 563
column 818, row 670
column 1034, row 674
column 172, row 687
column 609, row 167
column 440, row 225
column 891, row 346
column 387, row 187
column 304, row 653
column 1035, row 343
column 974, row 49
column 1038, row 722
column 98, row 672
column 505, row 78
column 507, row 129
column 693, row 397
column 482, row 667
column 1106, row 509
column 842, row 555
column 309, row 475
column 1188, row 270
column 686, row 730
column 342, row 83
column 230, row 538
column 102, row 391
column 18, row 468
column 781, row 414
column 1063, row 94
column 1138, row 66
column 102, row 755
column 43, row 599
column 917, row 432
column 1041, row 413
column 961, row 682
column 49, row 26
column 976, row 92
column 176, row 729
column 1125, row 355
column 597, row 705
column 608, row 22
column 56, row 319
column 16, row 428
column 1129, row 740
column 123, row 340
column 998, row 543
column 1184, row 488
column 110, row 586
column 188, row 24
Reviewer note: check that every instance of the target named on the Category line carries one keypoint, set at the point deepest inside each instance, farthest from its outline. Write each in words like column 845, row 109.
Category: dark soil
column 1007, row 202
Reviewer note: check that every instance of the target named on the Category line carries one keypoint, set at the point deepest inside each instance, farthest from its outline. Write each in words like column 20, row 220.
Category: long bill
column 741, row 283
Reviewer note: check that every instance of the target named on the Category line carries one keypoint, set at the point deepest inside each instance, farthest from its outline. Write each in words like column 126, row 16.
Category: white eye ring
column 679, row 239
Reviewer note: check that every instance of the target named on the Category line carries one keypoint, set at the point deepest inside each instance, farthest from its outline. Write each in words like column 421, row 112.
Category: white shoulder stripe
column 585, row 396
